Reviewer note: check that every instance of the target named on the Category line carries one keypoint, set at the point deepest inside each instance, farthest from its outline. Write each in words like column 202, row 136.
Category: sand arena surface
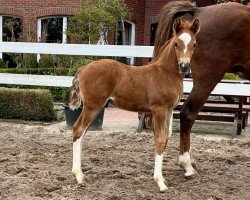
column 35, row 162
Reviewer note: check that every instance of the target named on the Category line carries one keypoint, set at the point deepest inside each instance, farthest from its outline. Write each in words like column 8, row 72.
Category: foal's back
column 116, row 81
column 128, row 87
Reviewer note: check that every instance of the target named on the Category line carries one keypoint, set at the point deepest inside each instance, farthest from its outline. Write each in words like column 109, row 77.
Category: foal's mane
column 166, row 18
column 161, row 49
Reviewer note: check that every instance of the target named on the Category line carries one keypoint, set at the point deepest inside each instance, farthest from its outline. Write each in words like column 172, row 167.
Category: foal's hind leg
column 161, row 138
column 79, row 129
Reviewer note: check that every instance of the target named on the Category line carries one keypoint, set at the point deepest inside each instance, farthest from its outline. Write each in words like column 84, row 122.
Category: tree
column 95, row 18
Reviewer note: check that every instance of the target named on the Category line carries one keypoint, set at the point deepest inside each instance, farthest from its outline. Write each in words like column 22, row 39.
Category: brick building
column 46, row 20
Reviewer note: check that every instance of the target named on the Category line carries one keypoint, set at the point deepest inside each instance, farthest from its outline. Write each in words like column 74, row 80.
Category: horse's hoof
column 191, row 174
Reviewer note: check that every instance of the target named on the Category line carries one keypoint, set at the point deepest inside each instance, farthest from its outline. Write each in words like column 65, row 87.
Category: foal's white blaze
column 185, row 38
column 186, row 163
column 77, row 155
column 158, row 172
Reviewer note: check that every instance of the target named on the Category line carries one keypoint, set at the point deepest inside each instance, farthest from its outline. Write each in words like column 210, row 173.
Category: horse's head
column 185, row 42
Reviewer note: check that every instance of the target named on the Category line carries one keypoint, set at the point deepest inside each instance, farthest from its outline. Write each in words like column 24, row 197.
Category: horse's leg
column 170, row 122
column 188, row 114
column 79, row 129
column 161, row 138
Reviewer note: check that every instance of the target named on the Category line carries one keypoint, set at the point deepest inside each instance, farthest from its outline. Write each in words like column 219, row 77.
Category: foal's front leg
column 161, row 138
column 169, row 122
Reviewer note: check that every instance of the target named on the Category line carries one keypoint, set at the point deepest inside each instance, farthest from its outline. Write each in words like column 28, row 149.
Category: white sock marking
column 185, row 38
column 77, row 152
column 158, row 172
column 186, row 163
column 77, row 158
column 170, row 128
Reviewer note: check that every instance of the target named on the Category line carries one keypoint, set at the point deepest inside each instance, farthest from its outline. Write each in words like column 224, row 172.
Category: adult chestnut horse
column 224, row 46
column 156, row 88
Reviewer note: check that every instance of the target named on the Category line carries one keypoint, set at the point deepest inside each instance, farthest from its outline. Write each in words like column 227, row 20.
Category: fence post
column 1, row 33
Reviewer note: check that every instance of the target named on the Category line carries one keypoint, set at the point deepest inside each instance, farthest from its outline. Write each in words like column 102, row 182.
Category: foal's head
column 184, row 42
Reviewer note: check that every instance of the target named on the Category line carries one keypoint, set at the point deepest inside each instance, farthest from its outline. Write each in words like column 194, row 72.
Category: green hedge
column 46, row 61
column 65, row 68
column 32, row 104
column 2, row 64
column 38, row 71
column 28, row 61
column 231, row 76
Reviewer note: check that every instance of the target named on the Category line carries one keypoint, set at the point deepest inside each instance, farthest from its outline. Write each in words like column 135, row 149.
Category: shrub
column 231, row 76
column 32, row 104
column 2, row 64
column 29, row 61
column 46, row 61
column 38, row 71
column 64, row 61
column 58, row 93
column 79, row 63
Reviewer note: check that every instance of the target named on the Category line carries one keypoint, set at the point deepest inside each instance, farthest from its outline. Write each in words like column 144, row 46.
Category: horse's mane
column 166, row 18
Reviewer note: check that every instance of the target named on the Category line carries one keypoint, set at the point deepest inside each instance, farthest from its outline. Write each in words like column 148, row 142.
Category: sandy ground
column 35, row 162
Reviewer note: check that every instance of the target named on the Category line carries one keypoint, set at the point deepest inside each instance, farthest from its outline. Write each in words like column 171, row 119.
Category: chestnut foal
column 156, row 88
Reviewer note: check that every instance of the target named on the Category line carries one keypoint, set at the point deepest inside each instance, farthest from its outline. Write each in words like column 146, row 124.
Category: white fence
column 77, row 49
column 241, row 88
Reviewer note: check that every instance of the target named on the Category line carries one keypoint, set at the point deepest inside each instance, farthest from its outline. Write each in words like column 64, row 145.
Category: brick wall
column 138, row 9
column 38, row 8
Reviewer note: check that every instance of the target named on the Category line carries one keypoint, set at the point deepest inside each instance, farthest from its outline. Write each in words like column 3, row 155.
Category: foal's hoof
column 194, row 165
column 79, row 177
column 163, row 189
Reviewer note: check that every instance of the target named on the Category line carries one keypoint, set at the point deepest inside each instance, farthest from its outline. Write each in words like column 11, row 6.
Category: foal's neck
column 167, row 59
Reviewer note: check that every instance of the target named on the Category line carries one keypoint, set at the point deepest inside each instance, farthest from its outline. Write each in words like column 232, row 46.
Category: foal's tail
column 168, row 14
column 75, row 97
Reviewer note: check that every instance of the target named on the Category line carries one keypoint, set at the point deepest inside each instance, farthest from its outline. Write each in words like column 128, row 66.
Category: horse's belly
column 130, row 104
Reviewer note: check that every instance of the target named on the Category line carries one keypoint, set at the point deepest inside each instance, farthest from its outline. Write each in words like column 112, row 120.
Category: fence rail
column 233, row 88
column 77, row 49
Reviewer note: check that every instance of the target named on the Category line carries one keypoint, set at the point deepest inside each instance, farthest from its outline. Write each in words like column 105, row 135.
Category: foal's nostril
column 184, row 67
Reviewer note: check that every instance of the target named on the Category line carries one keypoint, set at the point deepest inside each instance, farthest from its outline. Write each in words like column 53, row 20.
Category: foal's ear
column 177, row 25
column 195, row 28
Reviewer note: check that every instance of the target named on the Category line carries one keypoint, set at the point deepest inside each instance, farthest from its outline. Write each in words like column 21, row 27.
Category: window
column 10, row 31
column 52, row 29
column 125, row 35
column 152, row 34
column 12, row 28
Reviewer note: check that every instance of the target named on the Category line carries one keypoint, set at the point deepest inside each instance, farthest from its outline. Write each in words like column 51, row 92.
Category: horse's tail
column 166, row 18
column 75, row 97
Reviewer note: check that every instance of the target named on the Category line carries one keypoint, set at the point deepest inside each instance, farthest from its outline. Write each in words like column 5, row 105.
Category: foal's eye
column 195, row 45
column 175, row 44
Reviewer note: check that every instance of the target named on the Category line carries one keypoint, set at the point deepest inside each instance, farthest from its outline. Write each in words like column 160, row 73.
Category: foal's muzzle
column 185, row 67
